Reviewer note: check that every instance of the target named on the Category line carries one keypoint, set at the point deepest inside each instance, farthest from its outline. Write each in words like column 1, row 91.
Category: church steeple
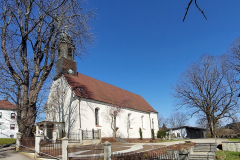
column 65, row 57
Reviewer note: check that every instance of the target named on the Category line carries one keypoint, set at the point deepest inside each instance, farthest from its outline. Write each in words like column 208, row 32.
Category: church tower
column 65, row 58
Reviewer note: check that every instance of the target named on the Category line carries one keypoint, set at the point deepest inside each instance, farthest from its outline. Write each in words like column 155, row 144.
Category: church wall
column 63, row 106
column 88, row 120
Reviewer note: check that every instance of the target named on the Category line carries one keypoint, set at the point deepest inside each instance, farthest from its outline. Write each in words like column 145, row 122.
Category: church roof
column 90, row 88
column 4, row 104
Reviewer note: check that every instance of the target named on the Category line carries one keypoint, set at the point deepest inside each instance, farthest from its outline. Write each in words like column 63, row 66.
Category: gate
column 51, row 148
column 27, row 144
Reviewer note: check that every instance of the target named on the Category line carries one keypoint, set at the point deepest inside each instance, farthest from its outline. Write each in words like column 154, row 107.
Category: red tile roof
column 4, row 104
column 90, row 88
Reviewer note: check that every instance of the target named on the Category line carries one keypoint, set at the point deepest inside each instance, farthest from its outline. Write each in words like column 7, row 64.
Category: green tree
column 164, row 127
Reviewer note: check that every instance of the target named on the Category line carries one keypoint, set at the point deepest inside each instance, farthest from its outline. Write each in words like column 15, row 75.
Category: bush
column 161, row 133
column 153, row 137
column 140, row 132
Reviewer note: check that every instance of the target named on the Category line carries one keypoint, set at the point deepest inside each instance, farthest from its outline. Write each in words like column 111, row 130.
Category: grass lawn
column 233, row 139
column 227, row 155
column 7, row 141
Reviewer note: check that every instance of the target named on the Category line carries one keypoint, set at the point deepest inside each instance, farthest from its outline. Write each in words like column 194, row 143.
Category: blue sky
column 143, row 46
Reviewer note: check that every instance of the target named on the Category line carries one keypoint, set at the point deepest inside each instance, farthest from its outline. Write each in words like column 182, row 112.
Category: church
column 82, row 102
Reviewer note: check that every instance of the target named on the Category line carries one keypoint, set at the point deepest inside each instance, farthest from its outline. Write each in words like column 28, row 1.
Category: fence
column 73, row 136
column 86, row 152
column 50, row 148
column 62, row 150
column 90, row 134
column 144, row 156
column 155, row 154
column 27, row 144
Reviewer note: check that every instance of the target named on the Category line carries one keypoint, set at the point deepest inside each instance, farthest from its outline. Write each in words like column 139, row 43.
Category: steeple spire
column 66, row 48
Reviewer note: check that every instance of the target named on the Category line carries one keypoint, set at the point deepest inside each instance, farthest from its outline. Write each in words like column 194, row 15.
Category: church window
column 142, row 121
column 96, row 116
column 129, row 120
column 152, row 123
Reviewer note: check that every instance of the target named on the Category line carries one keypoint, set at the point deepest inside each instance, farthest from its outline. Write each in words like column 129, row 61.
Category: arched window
column 129, row 120
column 143, row 123
column 96, row 116
column 152, row 123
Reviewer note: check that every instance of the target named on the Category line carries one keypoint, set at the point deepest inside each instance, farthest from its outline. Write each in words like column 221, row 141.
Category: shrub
column 140, row 132
column 164, row 127
column 153, row 137
column 144, row 156
column 161, row 133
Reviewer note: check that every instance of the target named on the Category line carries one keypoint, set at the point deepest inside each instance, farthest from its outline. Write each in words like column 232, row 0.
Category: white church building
column 82, row 102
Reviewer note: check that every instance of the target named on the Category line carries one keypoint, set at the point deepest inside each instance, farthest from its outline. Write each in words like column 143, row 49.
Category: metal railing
column 51, row 148
column 150, row 155
column 73, row 136
column 27, row 143
column 90, row 134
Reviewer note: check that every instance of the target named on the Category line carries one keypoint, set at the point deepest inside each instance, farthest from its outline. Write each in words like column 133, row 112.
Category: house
column 82, row 102
column 187, row 132
column 8, row 119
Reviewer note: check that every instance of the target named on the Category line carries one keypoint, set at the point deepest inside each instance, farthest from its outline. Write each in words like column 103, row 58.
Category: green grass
column 7, row 141
column 233, row 139
column 227, row 155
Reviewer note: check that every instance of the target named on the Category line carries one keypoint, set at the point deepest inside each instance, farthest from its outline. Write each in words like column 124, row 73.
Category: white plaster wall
column 182, row 131
column 5, row 121
column 88, row 120
column 64, row 107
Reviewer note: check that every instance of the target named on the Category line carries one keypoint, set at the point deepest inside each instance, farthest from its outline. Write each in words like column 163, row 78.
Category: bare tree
column 30, row 31
column 114, row 112
column 177, row 119
column 209, row 88
column 202, row 121
column 162, row 120
column 234, row 56
column 196, row 4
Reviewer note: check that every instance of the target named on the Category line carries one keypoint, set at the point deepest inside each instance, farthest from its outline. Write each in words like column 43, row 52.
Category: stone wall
column 231, row 146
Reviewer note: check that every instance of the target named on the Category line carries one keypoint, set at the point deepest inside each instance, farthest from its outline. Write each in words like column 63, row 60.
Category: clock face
column 70, row 71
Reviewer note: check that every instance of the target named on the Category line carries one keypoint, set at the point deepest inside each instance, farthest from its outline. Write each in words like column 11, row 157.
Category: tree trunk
column 211, row 125
column 27, row 116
